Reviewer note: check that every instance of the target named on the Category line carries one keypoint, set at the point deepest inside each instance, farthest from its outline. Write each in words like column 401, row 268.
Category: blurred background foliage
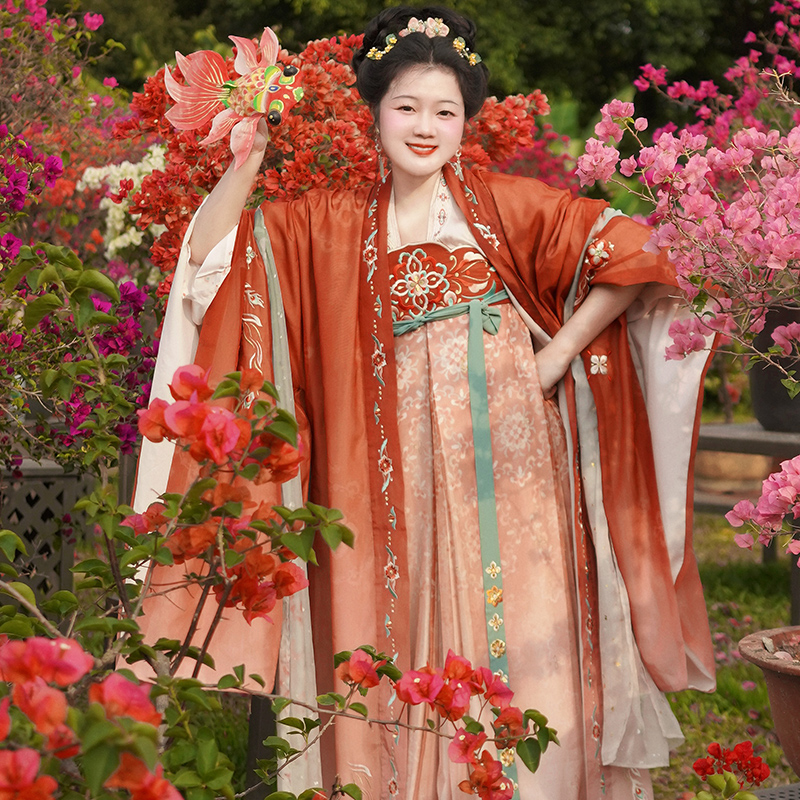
column 580, row 53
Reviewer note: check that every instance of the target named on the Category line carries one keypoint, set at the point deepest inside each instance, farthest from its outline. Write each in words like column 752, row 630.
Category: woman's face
column 421, row 121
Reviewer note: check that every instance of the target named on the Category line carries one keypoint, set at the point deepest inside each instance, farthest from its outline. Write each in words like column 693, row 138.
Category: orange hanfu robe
column 601, row 609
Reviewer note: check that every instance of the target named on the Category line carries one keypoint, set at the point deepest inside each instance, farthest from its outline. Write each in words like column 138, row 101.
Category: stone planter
column 783, row 685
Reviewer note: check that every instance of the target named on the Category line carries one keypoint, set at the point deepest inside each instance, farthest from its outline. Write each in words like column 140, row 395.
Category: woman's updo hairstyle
column 373, row 77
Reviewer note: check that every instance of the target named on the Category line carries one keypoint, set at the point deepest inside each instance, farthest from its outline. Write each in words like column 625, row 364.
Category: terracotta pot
column 783, row 685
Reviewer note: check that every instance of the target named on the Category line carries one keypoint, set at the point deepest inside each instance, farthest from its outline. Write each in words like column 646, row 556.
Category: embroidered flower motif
column 494, row 596
column 598, row 253
column 391, row 572
column 394, row 789
column 500, row 675
column 249, row 254
column 378, row 358
column 425, row 279
column 493, row 570
column 495, row 622
column 598, row 365
column 596, row 732
column 507, row 756
column 497, row 648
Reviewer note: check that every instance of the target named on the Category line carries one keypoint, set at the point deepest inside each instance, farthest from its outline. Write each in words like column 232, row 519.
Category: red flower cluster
column 449, row 690
column 259, row 581
column 214, row 433
column 31, row 666
column 487, row 780
column 747, row 767
column 360, row 670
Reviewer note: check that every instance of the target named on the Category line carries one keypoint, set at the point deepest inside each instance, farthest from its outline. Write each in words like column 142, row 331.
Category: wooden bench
column 748, row 438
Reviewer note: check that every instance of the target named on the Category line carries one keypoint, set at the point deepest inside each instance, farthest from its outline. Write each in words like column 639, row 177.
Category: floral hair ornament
column 431, row 27
column 377, row 55
column 462, row 49
column 235, row 105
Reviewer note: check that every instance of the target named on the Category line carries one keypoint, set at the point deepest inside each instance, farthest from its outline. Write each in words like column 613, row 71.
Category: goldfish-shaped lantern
column 236, row 106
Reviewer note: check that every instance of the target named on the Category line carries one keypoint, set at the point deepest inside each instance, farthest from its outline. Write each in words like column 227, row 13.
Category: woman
column 432, row 320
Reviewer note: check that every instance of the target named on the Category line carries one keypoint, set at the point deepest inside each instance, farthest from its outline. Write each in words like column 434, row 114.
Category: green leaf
column 20, row 627
column 351, row 790
column 543, row 736
column 359, row 708
column 228, row 682
column 36, row 310
column 292, row 722
column 530, row 753
column 98, row 764
column 93, row 279
column 716, row 782
column 472, row 725
column 62, row 602
column 23, row 266
column 218, row 778
column 301, row 544
column 281, row 796
column 257, row 679
column 536, row 717
column 99, row 732
column 207, row 753
column 11, row 544
column 22, row 589
column 186, row 778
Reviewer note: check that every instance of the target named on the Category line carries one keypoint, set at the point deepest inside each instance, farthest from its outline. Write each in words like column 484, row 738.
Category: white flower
column 599, row 365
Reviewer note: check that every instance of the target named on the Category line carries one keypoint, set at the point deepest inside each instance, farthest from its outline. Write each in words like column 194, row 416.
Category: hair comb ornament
column 377, row 55
column 431, row 27
column 462, row 49
column 236, row 105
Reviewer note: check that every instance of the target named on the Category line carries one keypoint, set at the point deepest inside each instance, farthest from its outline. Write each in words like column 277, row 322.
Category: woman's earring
column 379, row 151
column 456, row 161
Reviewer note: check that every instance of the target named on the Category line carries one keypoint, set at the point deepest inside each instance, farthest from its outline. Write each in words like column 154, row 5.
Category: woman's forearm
column 602, row 306
column 223, row 207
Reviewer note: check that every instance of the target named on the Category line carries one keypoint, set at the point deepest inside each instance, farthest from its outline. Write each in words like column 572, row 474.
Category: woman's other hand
column 551, row 364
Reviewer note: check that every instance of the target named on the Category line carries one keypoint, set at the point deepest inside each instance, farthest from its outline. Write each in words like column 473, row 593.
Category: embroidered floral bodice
column 428, row 277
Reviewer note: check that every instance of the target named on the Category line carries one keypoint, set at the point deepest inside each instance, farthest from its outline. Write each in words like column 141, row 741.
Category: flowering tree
column 726, row 192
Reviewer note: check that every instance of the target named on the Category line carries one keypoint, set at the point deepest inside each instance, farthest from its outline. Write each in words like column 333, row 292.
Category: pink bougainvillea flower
column 263, row 89
column 43, row 705
column 133, row 775
column 122, row 698
column 190, row 383
column 93, row 21
column 360, row 670
column 62, row 742
column 289, row 579
column 61, row 661
column 18, row 776
column 464, row 746
column 149, row 521
column 5, row 718
column 419, row 686
column 151, row 421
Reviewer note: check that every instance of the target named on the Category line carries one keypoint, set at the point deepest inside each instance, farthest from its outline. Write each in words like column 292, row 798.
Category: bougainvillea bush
column 726, row 196
column 724, row 188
